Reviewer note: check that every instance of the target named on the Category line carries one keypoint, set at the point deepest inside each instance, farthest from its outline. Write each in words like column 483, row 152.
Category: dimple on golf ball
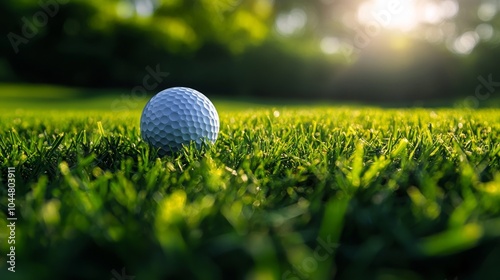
column 178, row 116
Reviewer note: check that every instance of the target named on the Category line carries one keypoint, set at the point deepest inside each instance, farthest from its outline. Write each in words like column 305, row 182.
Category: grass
column 285, row 193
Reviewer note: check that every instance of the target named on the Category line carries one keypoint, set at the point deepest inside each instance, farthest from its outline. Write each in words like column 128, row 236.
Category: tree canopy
column 205, row 42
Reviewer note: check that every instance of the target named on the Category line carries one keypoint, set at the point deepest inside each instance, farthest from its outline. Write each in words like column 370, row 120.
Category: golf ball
column 178, row 116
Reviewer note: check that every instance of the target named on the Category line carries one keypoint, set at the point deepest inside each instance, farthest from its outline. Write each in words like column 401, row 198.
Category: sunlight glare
column 432, row 13
column 330, row 45
column 487, row 11
column 466, row 43
column 390, row 14
column 289, row 23
column 405, row 15
column 400, row 44
column 449, row 8
column 485, row 31
column 144, row 8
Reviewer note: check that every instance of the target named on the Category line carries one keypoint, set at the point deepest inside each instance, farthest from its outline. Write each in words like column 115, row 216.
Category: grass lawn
column 287, row 192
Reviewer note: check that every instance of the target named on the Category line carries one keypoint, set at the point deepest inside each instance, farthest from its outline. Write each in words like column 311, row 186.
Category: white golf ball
column 178, row 116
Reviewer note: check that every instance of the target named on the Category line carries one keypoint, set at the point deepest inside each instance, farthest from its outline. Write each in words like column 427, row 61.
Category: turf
column 285, row 193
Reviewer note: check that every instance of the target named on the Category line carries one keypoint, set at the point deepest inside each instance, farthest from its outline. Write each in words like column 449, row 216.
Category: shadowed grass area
column 47, row 97
column 305, row 192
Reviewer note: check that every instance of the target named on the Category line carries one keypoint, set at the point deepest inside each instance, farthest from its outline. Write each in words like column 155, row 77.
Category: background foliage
column 244, row 47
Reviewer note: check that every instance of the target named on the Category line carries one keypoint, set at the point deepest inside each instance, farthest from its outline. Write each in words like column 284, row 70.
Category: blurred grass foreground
column 285, row 193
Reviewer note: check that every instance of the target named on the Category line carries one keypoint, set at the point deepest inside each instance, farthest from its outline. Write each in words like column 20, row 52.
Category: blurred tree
column 278, row 47
column 95, row 42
